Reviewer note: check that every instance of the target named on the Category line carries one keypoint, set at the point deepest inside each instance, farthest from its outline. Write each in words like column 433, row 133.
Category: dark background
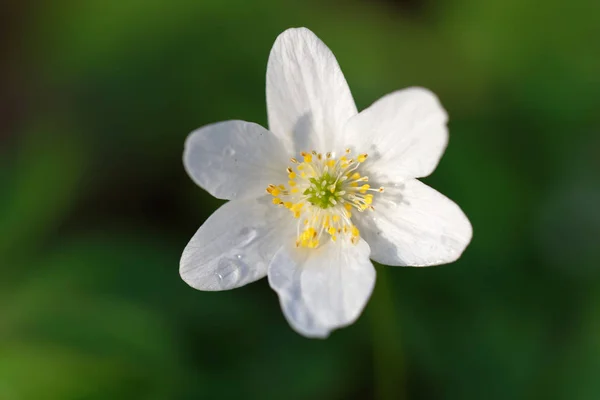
column 96, row 100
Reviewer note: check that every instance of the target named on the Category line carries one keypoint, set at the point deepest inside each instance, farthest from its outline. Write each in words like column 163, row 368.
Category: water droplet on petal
column 247, row 236
column 231, row 272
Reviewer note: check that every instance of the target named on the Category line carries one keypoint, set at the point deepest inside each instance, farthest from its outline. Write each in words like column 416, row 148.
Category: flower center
column 324, row 191
column 321, row 193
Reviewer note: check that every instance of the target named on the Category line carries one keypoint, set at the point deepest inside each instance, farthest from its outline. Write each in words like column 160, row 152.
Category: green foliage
column 96, row 208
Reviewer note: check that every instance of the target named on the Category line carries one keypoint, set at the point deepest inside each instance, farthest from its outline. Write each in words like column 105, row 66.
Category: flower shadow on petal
column 368, row 226
column 302, row 134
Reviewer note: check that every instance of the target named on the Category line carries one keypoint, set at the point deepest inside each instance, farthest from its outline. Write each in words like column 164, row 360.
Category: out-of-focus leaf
column 576, row 375
column 47, row 172
column 66, row 339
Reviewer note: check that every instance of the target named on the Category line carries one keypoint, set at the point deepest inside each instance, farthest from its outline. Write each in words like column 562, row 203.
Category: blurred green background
column 96, row 99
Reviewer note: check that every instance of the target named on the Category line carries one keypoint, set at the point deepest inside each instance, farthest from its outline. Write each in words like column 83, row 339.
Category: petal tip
column 300, row 30
column 428, row 95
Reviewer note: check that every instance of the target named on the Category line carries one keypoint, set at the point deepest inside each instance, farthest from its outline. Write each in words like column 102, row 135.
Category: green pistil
column 321, row 194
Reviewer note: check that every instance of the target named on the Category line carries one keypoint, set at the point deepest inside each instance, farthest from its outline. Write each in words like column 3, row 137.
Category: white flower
column 322, row 191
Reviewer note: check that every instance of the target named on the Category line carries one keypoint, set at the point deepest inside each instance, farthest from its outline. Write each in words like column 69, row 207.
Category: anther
column 321, row 192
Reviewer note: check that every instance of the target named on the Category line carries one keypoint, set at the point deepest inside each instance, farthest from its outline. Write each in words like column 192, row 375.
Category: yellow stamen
column 321, row 192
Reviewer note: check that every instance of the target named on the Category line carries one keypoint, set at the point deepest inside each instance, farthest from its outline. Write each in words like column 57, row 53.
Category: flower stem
column 388, row 360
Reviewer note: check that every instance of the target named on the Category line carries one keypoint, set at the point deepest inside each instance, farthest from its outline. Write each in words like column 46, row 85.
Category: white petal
column 404, row 133
column 285, row 280
column 325, row 288
column 308, row 99
column 235, row 159
column 415, row 225
column 235, row 245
